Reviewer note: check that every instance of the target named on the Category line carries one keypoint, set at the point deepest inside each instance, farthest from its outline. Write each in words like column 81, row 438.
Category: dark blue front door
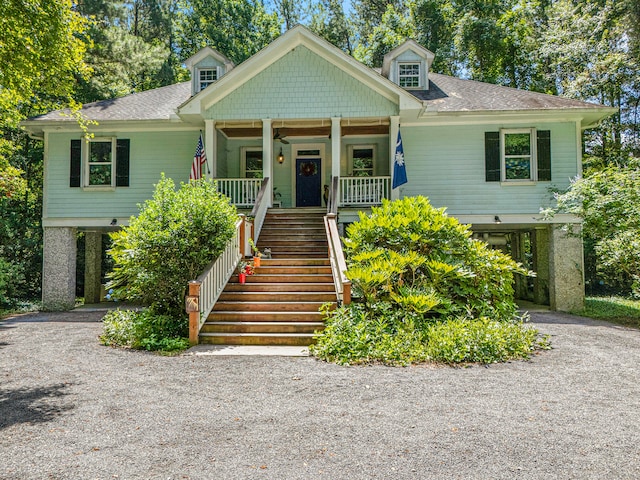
column 308, row 191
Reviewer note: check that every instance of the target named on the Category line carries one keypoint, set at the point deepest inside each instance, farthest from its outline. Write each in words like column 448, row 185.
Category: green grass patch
column 618, row 310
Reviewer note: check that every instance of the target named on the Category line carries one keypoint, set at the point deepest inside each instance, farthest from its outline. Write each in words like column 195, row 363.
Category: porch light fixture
column 280, row 157
column 497, row 220
column 114, row 222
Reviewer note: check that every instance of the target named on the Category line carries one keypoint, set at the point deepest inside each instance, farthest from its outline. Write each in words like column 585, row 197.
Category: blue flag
column 399, row 170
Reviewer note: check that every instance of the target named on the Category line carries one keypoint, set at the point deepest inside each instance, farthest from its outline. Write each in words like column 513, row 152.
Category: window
column 252, row 162
column 518, row 159
column 362, row 160
column 99, row 162
column 518, row 155
column 206, row 76
column 409, row 75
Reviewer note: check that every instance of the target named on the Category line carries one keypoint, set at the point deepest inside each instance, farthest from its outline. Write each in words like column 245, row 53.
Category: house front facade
column 317, row 123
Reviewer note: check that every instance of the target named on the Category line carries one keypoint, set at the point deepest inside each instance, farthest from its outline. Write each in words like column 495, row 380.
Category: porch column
column 566, row 266
column 336, row 136
column 394, row 128
column 211, row 147
column 267, row 155
column 92, row 266
column 59, row 268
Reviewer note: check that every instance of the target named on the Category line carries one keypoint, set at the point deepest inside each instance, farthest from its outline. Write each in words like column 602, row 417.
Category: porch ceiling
column 251, row 132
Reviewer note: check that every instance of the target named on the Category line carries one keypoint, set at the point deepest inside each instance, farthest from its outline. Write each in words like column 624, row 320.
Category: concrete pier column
column 92, row 267
column 566, row 265
column 59, row 268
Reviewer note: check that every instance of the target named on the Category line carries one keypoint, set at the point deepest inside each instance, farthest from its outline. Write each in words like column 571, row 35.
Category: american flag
column 199, row 159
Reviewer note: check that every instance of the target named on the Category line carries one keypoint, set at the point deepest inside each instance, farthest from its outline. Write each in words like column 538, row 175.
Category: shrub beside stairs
column 278, row 304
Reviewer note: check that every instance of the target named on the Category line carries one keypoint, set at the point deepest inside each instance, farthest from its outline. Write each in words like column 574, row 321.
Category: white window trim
column 533, row 154
column 243, row 160
column 86, row 164
column 350, row 150
column 204, row 69
column 420, row 69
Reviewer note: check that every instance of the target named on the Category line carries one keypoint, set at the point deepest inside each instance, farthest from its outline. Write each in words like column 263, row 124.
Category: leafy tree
column 236, row 28
column 175, row 236
column 608, row 201
column 394, row 28
column 329, row 21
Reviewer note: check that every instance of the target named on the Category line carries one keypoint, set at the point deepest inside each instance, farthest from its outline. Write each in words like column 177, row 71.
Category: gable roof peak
column 208, row 52
column 409, row 44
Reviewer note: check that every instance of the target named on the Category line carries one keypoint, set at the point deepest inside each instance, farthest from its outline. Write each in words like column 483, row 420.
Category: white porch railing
column 206, row 289
column 242, row 191
column 364, row 190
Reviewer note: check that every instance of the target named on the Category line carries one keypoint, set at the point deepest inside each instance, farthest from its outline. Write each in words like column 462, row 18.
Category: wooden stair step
column 292, row 269
column 269, row 306
column 277, row 296
column 292, row 278
column 290, row 339
column 262, row 327
column 281, row 262
column 261, row 316
column 280, row 287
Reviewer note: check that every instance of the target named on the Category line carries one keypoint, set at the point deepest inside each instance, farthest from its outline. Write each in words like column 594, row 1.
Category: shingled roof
column 445, row 95
column 451, row 94
column 157, row 104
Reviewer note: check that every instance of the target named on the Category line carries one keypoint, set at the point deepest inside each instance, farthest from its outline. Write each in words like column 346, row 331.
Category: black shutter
column 492, row 156
column 75, row 163
column 544, row 155
column 122, row 162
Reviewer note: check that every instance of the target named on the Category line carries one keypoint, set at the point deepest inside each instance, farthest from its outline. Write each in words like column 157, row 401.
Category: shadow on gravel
column 557, row 318
column 32, row 405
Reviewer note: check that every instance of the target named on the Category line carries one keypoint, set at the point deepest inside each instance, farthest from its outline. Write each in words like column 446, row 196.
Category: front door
column 308, row 182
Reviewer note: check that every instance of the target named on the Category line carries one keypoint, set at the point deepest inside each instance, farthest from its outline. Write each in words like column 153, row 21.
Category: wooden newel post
column 243, row 225
column 192, row 306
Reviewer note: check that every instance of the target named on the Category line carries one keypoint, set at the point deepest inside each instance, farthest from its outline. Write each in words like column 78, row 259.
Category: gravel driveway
column 72, row 409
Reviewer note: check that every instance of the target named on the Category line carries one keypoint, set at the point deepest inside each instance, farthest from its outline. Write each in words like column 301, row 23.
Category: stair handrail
column 260, row 208
column 336, row 257
column 205, row 290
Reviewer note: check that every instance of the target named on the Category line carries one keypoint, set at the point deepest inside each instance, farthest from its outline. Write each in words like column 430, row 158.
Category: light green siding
column 151, row 153
column 301, row 85
column 447, row 165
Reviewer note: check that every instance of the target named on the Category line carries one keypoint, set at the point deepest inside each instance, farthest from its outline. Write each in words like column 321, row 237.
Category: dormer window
column 206, row 76
column 409, row 75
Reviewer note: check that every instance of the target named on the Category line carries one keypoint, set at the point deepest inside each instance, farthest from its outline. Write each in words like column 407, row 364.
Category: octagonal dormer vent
column 408, row 66
column 207, row 67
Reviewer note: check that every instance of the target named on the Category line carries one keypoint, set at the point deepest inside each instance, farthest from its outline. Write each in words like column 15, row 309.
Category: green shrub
column 418, row 258
column 357, row 335
column 11, row 277
column 144, row 330
column 173, row 239
column 426, row 293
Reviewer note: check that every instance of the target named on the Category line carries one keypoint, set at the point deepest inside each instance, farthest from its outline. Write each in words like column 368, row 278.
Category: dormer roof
column 412, row 45
column 208, row 52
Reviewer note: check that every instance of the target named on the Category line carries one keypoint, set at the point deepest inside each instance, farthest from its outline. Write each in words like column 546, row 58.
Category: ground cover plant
column 619, row 310
column 177, row 234
column 427, row 291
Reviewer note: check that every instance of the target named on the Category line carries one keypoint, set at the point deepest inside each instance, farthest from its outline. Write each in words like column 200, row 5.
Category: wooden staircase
column 278, row 304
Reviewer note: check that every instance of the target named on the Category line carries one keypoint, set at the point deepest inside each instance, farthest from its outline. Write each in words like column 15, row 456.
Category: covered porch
column 307, row 161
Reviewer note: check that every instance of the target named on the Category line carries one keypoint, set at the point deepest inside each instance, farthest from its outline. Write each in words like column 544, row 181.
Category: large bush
column 608, row 201
column 427, row 291
column 175, row 236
